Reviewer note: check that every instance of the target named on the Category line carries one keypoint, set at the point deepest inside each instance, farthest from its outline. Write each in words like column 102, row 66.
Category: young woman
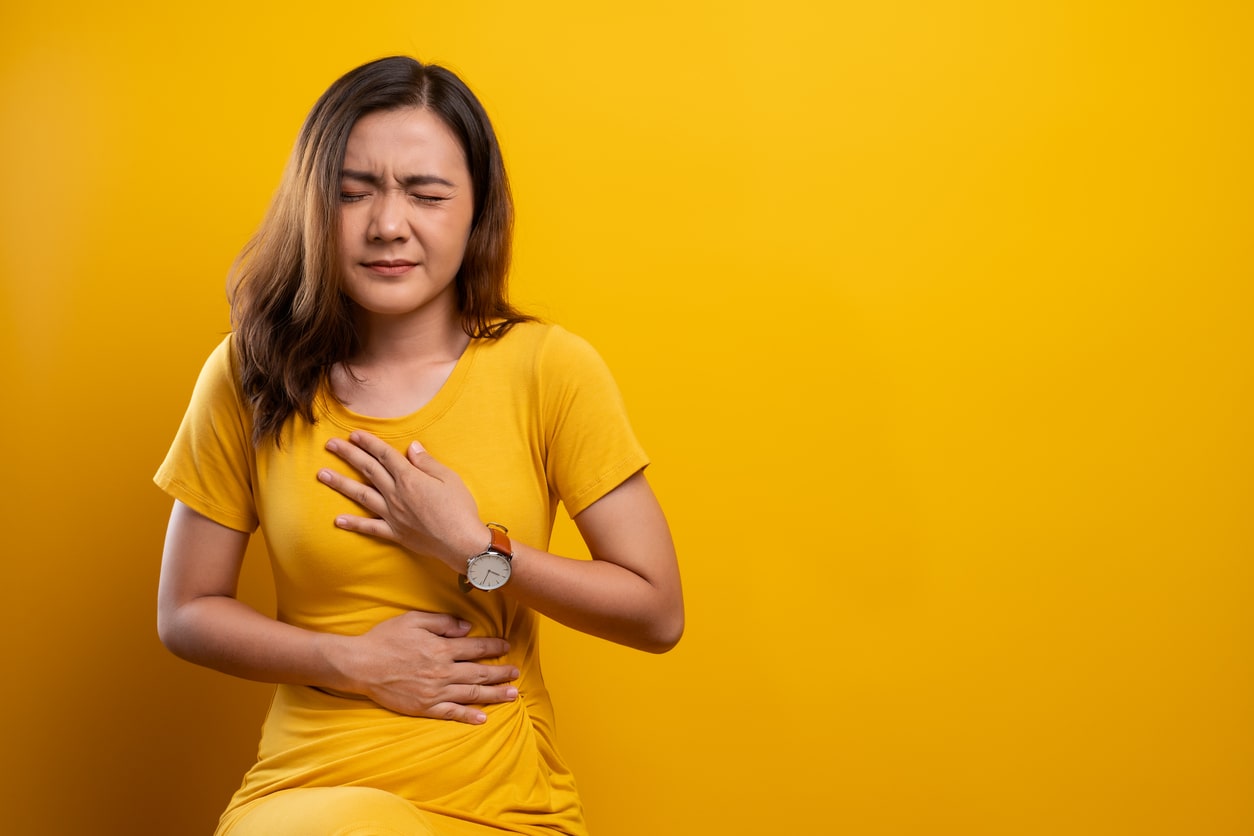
column 402, row 437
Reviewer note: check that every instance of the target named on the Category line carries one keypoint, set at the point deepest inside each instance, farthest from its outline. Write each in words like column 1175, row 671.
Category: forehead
column 404, row 142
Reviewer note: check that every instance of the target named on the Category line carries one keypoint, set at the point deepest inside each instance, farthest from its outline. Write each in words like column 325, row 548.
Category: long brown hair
column 292, row 321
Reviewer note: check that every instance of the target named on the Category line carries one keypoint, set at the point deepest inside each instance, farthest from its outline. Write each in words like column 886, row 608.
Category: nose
column 388, row 218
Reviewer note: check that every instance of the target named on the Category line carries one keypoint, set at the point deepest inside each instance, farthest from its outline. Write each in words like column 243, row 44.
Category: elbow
column 663, row 643
column 666, row 628
column 167, row 631
column 174, row 630
column 664, row 633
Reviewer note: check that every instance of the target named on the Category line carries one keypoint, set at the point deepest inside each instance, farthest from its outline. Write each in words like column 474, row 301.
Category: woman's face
column 406, row 205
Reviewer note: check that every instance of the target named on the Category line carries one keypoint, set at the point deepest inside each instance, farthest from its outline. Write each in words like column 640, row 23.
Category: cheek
column 466, row 228
column 347, row 232
column 455, row 235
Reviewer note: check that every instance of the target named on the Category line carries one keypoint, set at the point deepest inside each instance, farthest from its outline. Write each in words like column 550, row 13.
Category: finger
column 440, row 624
column 363, row 494
column 416, row 453
column 458, row 713
column 483, row 694
column 474, row 648
column 393, row 462
column 362, row 460
column 479, row 675
column 462, row 704
column 424, row 461
column 366, row 525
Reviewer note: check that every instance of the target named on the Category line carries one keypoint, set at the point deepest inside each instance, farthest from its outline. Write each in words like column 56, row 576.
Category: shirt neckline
column 328, row 406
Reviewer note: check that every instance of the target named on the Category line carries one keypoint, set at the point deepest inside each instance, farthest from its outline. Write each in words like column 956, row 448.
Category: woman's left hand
column 417, row 501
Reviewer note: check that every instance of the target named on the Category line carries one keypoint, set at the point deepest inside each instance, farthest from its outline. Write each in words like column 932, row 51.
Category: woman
column 378, row 410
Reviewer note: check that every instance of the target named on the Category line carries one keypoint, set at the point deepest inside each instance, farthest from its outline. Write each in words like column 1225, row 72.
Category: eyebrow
column 408, row 181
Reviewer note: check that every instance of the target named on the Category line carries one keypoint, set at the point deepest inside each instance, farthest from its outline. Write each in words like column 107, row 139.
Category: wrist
column 338, row 658
column 471, row 541
column 490, row 568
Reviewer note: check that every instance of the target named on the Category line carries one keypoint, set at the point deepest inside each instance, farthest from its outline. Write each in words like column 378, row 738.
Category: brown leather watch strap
column 500, row 540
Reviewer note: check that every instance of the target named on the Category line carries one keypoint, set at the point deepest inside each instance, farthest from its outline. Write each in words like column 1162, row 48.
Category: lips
column 390, row 267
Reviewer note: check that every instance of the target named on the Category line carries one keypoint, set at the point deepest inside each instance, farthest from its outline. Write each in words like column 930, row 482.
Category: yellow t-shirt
column 527, row 421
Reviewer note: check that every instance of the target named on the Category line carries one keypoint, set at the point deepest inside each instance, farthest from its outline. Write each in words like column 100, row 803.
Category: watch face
column 488, row 570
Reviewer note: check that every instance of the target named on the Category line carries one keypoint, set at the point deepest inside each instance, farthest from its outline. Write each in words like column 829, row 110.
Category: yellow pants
column 334, row 811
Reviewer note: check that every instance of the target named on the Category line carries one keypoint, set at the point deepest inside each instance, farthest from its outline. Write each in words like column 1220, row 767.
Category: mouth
column 389, row 267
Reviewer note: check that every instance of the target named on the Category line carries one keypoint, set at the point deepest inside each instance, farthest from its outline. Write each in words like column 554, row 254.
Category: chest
column 390, row 392
column 498, row 457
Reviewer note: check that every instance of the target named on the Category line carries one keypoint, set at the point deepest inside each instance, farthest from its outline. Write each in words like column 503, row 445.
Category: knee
column 334, row 811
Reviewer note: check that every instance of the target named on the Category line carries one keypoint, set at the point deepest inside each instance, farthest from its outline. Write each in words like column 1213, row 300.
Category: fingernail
column 415, row 447
column 480, row 718
column 511, row 693
column 342, row 522
column 463, row 625
column 324, row 475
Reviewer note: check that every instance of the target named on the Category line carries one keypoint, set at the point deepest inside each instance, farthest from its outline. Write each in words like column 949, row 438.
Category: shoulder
column 221, row 367
column 542, row 347
column 217, row 391
column 545, row 361
column 224, row 357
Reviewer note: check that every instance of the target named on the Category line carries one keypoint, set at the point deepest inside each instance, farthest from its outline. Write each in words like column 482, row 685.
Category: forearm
column 598, row 597
column 629, row 592
column 416, row 663
column 225, row 634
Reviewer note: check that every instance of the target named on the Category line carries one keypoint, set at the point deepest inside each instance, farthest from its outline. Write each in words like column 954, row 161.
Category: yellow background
column 935, row 318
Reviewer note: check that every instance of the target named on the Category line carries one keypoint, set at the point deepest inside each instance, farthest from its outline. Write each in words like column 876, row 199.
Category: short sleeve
column 591, row 448
column 211, row 464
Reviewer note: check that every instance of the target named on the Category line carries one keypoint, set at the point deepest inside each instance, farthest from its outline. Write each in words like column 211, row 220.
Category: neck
column 387, row 340
column 401, row 365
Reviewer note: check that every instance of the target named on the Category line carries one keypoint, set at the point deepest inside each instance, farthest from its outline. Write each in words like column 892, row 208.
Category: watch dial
column 488, row 571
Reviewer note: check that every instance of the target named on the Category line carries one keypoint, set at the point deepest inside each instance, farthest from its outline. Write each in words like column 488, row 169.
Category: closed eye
column 353, row 197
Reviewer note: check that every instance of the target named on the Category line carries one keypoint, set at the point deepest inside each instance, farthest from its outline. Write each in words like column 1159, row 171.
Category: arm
column 420, row 664
column 628, row 593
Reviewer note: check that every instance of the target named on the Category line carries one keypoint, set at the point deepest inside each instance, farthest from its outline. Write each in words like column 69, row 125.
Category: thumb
column 424, row 461
column 416, row 452
column 440, row 624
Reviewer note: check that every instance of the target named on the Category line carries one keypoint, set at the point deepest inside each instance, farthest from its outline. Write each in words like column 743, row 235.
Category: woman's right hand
column 423, row 664
column 419, row 663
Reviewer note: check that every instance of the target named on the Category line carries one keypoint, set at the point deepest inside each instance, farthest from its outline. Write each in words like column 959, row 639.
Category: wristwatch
column 490, row 568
